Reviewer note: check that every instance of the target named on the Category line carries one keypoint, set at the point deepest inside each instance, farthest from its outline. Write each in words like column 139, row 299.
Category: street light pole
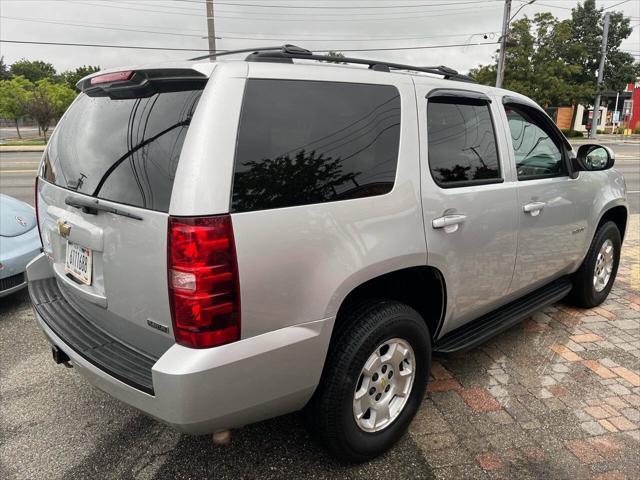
column 603, row 55
column 503, row 43
column 211, row 27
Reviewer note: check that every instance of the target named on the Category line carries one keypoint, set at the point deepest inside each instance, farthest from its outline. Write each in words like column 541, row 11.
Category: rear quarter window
column 306, row 142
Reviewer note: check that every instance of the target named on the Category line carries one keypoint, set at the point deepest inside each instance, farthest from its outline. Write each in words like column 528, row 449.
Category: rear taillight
column 203, row 281
column 35, row 203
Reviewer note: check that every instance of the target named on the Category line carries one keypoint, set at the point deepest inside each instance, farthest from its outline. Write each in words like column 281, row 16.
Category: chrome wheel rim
column 384, row 385
column 604, row 266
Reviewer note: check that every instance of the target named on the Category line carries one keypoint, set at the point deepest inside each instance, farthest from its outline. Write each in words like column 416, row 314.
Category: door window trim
column 464, row 97
column 457, row 93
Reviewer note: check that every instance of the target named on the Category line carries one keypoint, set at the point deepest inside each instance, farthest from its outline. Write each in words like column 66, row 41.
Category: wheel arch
column 619, row 215
column 422, row 288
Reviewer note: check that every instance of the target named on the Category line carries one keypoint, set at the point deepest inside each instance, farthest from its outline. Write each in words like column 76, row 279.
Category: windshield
column 126, row 151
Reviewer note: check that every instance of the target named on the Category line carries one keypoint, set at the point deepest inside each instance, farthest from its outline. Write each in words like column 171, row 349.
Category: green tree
column 556, row 62
column 33, row 70
column 535, row 61
column 334, row 53
column 71, row 77
column 587, row 23
column 47, row 102
column 14, row 95
column 4, row 70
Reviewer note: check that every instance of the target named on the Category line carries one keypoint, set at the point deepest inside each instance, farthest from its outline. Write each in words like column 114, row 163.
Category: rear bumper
column 202, row 391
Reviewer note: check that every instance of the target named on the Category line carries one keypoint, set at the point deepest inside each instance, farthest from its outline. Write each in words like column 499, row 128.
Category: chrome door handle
column 450, row 223
column 534, row 208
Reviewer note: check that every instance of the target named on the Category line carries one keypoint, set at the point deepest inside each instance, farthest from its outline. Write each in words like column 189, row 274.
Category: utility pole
column 603, row 55
column 506, row 18
column 211, row 27
column 616, row 122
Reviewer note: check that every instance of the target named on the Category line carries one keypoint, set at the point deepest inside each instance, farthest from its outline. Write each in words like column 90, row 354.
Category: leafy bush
column 636, row 130
column 572, row 133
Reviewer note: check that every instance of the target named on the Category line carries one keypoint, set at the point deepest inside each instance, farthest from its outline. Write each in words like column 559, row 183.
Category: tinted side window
column 462, row 142
column 536, row 154
column 304, row 142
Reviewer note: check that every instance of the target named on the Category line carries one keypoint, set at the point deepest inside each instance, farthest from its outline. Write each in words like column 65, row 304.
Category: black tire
column 330, row 412
column 584, row 293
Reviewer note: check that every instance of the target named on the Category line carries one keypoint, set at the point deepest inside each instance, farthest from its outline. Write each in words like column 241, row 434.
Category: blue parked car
column 19, row 243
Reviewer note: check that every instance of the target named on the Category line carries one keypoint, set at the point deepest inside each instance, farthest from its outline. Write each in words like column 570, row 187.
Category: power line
column 301, row 7
column 325, row 7
column 202, row 34
column 99, row 45
column 230, row 36
column 53, row 22
column 571, row 8
column 102, row 45
column 360, row 15
column 550, row 6
column 617, row 4
column 338, row 18
column 155, row 4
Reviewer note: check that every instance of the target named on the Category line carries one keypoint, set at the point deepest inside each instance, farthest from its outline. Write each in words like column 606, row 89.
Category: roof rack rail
column 286, row 53
column 243, row 50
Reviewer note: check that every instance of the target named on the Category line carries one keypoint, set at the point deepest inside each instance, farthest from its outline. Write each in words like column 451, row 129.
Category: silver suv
column 228, row 241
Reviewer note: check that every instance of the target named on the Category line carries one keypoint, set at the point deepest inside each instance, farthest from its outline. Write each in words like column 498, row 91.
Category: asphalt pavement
column 26, row 132
column 18, row 173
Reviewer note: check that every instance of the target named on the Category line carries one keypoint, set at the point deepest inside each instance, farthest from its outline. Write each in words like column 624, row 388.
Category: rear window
column 305, row 142
column 122, row 150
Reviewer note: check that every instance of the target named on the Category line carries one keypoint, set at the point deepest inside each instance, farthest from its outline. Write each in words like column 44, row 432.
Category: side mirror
column 592, row 157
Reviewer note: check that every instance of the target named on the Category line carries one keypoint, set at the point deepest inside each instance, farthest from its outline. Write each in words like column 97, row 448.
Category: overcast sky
column 344, row 25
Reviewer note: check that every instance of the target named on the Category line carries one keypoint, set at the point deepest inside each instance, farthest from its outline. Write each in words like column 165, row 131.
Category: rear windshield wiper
column 93, row 205
column 117, row 163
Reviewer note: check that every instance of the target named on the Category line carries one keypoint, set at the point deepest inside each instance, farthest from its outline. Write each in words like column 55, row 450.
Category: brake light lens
column 35, row 203
column 112, row 77
column 203, row 281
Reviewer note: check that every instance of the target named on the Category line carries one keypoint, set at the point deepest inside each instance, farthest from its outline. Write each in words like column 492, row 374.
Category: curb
column 22, row 148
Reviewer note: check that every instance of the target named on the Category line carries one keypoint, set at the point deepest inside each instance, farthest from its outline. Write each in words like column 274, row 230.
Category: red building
column 631, row 109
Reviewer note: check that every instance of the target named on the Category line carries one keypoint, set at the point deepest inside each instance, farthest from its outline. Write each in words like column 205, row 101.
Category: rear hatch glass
column 123, row 150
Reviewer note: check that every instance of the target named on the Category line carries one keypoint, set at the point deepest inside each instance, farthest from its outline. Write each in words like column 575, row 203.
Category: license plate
column 78, row 262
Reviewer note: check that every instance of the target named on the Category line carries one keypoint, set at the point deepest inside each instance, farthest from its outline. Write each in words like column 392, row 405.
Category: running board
column 482, row 329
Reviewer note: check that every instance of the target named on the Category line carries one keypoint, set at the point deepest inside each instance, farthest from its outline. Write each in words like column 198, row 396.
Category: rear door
column 468, row 201
column 103, row 195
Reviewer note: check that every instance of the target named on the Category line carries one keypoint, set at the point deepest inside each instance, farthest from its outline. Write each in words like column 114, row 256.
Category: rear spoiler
column 141, row 83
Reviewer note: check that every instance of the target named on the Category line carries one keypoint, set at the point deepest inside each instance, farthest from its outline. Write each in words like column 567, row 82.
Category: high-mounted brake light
column 112, row 77
column 203, row 281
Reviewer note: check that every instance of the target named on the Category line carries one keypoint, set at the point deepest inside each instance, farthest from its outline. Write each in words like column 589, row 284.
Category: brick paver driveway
column 556, row 397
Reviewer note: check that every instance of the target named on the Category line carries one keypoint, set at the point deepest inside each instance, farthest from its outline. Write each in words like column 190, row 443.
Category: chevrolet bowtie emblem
column 63, row 228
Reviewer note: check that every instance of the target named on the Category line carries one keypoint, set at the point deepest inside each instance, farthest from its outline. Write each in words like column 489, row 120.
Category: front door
column 469, row 202
column 553, row 208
